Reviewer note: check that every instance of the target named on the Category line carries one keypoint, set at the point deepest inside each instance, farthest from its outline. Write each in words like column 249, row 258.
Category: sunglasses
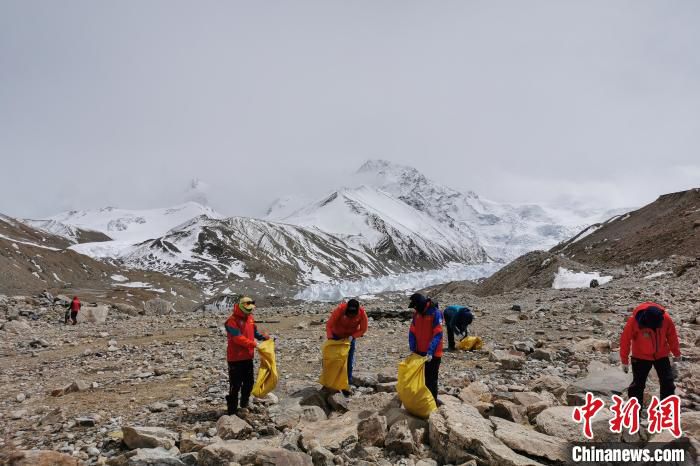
column 247, row 303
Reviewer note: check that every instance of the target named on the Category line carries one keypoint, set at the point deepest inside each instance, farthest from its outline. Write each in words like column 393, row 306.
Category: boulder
column 542, row 355
column 312, row 414
column 127, row 309
column 526, row 347
column 311, row 396
column 282, row 457
column 93, row 314
column 256, row 451
column 372, row 430
column 606, row 382
column 18, row 327
column 530, row 442
column 148, row 437
column 331, row 433
column 557, row 421
column 508, row 410
column 590, row 345
column 148, row 457
column 338, row 402
column 475, row 392
column 395, row 415
column 400, row 439
column 550, row 383
column 286, row 413
column 386, row 387
column 76, row 386
column 379, row 402
column 365, row 379
column 460, row 434
column 322, row 457
column 158, row 307
column 41, row 458
column 507, row 360
column 232, row 427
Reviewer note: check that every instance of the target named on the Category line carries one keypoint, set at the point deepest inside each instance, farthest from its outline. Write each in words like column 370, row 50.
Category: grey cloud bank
column 124, row 103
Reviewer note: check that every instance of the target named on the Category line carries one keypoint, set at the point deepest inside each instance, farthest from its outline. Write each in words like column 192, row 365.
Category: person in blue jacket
column 457, row 321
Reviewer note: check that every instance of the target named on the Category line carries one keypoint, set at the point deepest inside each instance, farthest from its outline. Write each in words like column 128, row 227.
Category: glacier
column 411, row 281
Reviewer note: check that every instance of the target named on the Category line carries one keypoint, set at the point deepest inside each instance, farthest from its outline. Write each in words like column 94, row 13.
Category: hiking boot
column 347, row 392
column 242, row 412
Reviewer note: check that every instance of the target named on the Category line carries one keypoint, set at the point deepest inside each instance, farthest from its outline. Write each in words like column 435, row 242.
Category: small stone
column 21, row 397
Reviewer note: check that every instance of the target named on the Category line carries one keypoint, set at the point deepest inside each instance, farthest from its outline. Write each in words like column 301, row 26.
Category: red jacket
column 647, row 343
column 242, row 333
column 425, row 333
column 75, row 305
column 341, row 326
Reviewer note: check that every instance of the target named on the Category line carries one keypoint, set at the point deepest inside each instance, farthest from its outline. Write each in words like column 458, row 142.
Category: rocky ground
column 146, row 386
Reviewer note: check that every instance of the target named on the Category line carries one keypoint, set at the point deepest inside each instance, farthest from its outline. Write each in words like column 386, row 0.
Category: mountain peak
column 382, row 167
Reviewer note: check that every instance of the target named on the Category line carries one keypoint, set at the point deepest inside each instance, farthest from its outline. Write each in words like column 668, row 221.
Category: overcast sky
column 122, row 103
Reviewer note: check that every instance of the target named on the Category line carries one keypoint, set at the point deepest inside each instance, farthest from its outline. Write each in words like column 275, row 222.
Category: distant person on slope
column 242, row 335
column 348, row 320
column 651, row 335
column 425, row 338
column 457, row 321
column 72, row 311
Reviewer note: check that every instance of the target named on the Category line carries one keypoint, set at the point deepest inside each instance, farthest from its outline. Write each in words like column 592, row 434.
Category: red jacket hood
column 239, row 313
column 647, row 305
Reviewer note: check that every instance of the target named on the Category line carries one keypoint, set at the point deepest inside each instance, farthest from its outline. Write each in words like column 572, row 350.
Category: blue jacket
column 458, row 318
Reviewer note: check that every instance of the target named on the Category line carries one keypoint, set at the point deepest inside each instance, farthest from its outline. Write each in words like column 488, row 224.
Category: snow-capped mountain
column 370, row 218
column 134, row 225
column 505, row 231
column 71, row 233
column 220, row 251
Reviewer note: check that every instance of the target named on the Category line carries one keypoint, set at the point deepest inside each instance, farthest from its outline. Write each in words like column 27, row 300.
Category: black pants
column 431, row 376
column 451, row 337
column 240, row 379
column 640, row 372
column 72, row 316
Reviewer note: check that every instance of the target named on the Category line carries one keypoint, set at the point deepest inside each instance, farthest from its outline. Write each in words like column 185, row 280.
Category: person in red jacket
column 651, row 335
column 72, row 311
column 242, row 334
column 425, row 338
column 348, row 320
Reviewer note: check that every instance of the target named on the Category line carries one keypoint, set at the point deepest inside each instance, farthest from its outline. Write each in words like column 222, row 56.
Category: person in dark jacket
column 72, row 311
column 348, row 320
column 242, row 334
column 457, row 320
column 425, row 338
column 651, row 336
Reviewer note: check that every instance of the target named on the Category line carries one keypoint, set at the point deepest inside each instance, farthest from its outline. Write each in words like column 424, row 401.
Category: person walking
column 348, row 320
column 242, row 334
column 72, row 311
column 650, row 335
column 457, row 320
column 425, row 338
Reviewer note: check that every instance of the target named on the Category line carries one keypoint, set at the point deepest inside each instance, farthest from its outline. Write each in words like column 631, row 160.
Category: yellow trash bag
column 470, row 343
column 414, row 395
column 267, row 374
column 334, row 372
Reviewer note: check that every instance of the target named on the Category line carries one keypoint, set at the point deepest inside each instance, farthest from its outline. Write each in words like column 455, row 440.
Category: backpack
column 651, row 317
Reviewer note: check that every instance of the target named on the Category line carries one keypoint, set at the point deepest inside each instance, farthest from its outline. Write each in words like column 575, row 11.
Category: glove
column 428, row 357
column 625, row 368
